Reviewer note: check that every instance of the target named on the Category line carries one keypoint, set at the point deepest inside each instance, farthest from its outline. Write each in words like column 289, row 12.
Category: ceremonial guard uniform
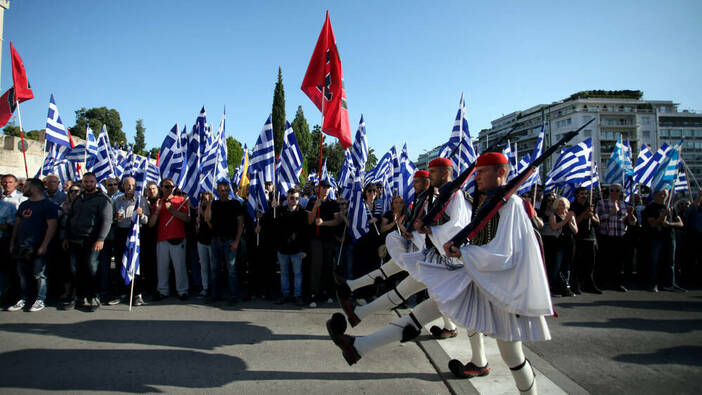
column 500, row 290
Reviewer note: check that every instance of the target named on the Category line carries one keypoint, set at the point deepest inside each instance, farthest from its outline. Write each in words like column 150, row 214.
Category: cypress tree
column 278, row 113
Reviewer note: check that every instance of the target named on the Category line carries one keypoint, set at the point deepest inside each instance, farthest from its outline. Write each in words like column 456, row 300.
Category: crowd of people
column 66, row 243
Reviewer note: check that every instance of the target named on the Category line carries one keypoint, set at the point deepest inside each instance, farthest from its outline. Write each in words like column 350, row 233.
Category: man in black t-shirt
column 226, row 219
column 585, row 243
column 34, row 227
column 321, row 215
column 658, row 225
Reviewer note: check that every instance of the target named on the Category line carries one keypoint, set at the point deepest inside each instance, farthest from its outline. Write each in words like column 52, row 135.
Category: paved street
column 602, row 344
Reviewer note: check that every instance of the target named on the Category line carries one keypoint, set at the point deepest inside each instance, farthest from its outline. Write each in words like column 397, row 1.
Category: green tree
column 302, row 132
column 372, row 159
column 95, row 118
column 12, row 130
column 154, row 152
column 234, row 154
column 278, row 113
column 139, row 144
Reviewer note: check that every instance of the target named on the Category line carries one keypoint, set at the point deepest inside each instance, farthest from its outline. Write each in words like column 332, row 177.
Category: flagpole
column 321, row 152
column 24, row 153
column 131, row 292
column 692, row 174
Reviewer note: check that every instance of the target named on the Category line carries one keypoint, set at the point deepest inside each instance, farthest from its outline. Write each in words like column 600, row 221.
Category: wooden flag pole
column 24, row 151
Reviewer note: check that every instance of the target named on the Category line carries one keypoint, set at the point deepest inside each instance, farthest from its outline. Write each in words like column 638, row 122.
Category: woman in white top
column 561, row 225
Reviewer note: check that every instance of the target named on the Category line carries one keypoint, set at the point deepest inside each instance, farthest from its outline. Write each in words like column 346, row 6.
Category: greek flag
column 55, row 130
column 312, row 177
column 667, row 171
column 346, row 173
column 510, row 151
column 190, row 176
column 257, row 200
column 210, row 163
column 535, row 178
column 130, row 259
column 574, row 166
column 263, row 156
column 395, row 162
column 172, row 155
column 330, row 179
column 222, row 172
column 647, row 171
column 358, row 213
column 616, row 168
column 460, row 137
column 641, row 162
column 406, row 176
column 104, row 161
column 359, row 149
column 380, row 172
column 681, row 183
column 290, row 167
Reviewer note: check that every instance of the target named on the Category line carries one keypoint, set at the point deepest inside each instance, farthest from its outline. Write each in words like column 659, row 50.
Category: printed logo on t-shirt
column 26, row 213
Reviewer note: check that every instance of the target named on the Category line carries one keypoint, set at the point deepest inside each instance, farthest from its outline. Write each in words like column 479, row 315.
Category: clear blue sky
column 405, row 63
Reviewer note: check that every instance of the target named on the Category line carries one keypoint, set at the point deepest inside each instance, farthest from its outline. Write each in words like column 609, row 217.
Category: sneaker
column 678, row 288
column 69, row 305
column 37, row 306
column 469, row 370
column 94, row 305
column 114, row 301
column 313, row 304
column 202, row 294
column 622, row 288
column 330, row 300
column 138, row 300
column 653, row 289
column 17, row 306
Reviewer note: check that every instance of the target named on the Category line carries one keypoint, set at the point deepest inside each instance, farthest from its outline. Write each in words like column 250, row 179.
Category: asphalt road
column 628, row 343
column 631, row 343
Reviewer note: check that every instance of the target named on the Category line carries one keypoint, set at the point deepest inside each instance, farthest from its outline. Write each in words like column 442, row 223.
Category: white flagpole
column 179, row 207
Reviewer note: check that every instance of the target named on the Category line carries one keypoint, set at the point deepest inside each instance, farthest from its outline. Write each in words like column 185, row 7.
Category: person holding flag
column 615, row 218
column 125, row 207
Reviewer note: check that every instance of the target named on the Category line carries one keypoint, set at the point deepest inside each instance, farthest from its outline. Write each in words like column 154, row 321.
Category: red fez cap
column 421, row 174
column 492, row 158
column 441, row 162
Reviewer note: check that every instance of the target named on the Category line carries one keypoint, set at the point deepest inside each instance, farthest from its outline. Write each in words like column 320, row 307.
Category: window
column 569, row 121
column 698, row 133
column 675, row 133
column 665, row 133
column 646, row 134
column 687, row 133
column 645, row 120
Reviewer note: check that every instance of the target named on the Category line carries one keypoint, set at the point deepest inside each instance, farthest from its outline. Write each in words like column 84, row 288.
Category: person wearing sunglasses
column 291, row 238
column 170, row 214
column 615, row 218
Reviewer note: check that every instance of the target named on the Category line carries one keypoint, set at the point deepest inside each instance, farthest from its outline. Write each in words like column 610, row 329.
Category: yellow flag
column 244, row 184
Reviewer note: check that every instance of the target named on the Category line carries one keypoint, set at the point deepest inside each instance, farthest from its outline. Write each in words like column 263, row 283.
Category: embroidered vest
column 487, row 233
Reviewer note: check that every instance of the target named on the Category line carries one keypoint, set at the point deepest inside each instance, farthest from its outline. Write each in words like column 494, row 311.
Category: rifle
column 488, row 210
column 451, row 187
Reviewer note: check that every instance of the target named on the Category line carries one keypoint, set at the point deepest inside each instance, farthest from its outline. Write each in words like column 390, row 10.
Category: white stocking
column 513, row 355
column 477, row 349
column 390, row 299
column 448, row 324
column 389, row 268
column 424, row 312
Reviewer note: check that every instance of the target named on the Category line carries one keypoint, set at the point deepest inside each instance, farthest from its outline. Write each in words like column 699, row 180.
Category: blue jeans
column 286, row 260
column 346, row 260
column 662, row 257
column 33, row 268
column 221, row 253
column 84, row 267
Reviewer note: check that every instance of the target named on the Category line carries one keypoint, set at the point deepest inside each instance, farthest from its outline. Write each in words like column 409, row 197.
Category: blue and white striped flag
column 190, row 176
column 222, row 173
column 647, row 171
column 641, row 162
column 104, row 166
column 359, row 149
column 616, row 167
column 358, row 213
column 510, row 151
column 330, row 179
column 172, row 155
column 263, row 156
column 574, row 166
column 681, row 182
column 55, row 129
column 395, row 162
column 460, row 137
column 406, row 176
column 667, row 172
column 290, row 167
column 130, row 258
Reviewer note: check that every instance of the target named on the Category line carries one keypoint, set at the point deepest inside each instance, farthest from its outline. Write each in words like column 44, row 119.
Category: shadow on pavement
column 202, row 335
column 666, row 305
column 141, row 371
column 683, row 355
column 656, row 325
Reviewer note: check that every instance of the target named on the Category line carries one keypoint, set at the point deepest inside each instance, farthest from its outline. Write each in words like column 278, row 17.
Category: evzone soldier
column 501, row 290
column 398, row 244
